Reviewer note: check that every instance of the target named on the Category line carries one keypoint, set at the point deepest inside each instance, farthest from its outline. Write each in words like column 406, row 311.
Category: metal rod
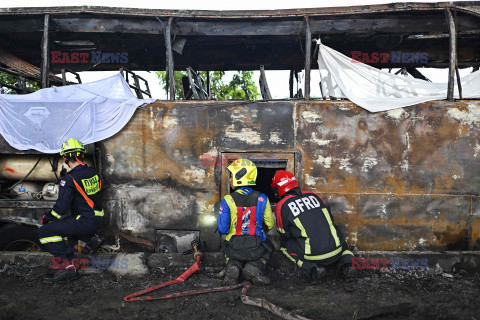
column 170, row 66
column 459, row 83
column 453, row 54
column 45, row 70
column 290, row 83
column 208, row 85
column 308, row 50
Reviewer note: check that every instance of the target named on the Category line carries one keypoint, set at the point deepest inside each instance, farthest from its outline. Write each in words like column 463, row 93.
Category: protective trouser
column 249, row 249
column 53, row 235
column 294, row 253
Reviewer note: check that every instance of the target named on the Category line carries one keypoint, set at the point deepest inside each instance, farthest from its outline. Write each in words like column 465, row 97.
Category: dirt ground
column 371, row 294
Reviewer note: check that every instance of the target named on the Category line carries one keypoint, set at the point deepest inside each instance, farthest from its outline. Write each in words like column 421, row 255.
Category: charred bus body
column 398, row 180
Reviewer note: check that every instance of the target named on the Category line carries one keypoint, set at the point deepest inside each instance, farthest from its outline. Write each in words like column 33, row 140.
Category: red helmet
column 284, row 181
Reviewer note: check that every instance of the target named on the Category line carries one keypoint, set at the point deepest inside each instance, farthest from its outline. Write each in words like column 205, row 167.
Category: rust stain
column 474, row 232
column 359, row 159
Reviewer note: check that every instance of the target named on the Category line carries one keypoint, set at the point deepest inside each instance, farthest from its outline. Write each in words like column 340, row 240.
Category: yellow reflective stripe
column 233, row 216
column 347, row 252
column 65, row 238
column 50, row 239
column 99, row 213
column 284, row 251
column 280, row 230
column 332, row 227
column 56, row 215
column 308, row 249
column 324, row 256
column 300, row 263
column 78, row 217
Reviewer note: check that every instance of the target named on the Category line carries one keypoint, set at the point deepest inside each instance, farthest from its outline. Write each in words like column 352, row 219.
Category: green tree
column 11, row 80
column 241, row 86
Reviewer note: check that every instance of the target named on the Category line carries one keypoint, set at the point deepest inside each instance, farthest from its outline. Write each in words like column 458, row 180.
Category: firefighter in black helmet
column 79, row 192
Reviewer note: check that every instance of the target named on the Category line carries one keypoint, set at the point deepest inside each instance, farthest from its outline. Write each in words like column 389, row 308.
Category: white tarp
column 377, row 90
column 88, row 112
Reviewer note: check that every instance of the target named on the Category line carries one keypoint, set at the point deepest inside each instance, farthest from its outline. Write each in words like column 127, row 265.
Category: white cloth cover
column 376, row 90
column 88, row 112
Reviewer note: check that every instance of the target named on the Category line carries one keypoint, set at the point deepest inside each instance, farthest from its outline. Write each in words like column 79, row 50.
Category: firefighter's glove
column 47, row 217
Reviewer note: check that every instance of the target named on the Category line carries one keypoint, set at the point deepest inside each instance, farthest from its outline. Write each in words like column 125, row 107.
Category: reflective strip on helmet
column 347, row 252
column 99, row 213
column 324, row 256
column 332, row 227
column 78, row 217
column 299, row 225
column 56, row 215
column 50, row 239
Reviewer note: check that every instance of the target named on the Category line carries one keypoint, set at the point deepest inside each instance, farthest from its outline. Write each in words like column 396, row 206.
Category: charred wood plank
column 45, row 70
column 257, row 27
column 169, row 54
column 453, row 54
column 308, row 53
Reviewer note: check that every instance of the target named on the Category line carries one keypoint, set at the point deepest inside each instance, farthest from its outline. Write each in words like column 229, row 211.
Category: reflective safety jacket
column 306, row 219
column 79, row 191
column 244, row 212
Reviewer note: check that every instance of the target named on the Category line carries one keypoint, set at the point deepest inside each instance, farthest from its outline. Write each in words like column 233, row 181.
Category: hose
column 257, row 302
column 31, row 170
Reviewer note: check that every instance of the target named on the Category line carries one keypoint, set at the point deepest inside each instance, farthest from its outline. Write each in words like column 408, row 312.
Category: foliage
column 238, row 87
column 12, row 80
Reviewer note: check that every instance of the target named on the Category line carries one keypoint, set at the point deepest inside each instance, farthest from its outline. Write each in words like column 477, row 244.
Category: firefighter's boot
column 48, row 277
column 255, row 275
column 92, row 245
column 69, row 272
column 317, row 273
column 232, row 272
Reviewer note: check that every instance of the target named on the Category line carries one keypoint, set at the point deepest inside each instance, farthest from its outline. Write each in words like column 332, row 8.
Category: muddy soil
column 372, row 294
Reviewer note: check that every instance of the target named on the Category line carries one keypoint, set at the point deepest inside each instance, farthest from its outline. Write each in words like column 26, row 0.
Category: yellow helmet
column 244, row 172
column 72, row 146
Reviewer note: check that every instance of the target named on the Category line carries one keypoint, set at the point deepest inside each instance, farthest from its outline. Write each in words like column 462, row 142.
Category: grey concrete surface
column 141, row 263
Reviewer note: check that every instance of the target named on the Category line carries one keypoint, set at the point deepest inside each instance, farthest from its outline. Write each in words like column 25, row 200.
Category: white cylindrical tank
column 50, row 191
column 16, row 167
column 27, row 190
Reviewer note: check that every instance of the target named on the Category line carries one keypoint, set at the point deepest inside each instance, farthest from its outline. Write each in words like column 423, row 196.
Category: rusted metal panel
column 398, row 180
column 155, row 165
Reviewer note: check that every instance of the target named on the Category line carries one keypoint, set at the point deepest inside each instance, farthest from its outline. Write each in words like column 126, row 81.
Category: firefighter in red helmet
column 310, row 238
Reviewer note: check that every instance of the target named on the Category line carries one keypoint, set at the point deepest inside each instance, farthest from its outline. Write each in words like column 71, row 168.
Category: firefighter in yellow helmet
column 79, row 193
column 245, row 215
